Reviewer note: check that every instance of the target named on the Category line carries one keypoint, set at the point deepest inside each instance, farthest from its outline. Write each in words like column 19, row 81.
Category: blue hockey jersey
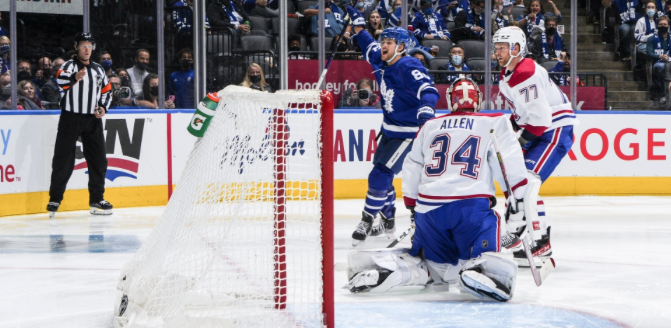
column 429, row 24
column 405, row 87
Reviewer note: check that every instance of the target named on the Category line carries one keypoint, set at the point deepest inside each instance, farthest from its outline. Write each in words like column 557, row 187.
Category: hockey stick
column 401, row 237
column 334, row 47
column 549, row 265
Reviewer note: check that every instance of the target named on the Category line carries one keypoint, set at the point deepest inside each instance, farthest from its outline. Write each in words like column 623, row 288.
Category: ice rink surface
column 613, row 258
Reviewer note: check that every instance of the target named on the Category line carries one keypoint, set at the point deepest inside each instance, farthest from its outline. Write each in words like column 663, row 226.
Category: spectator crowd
column 447, row 35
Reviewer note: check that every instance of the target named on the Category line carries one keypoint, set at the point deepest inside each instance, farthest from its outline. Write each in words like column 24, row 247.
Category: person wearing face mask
column 456, row 64
column 181, row 82
column 4, row 54
column 646, row 27
column 658, row 51
column 295, row 45
column 564, row 66
column 471, row 22
column 149, row 98
column 139, row 71
column 50, row 94
column 41, row 77
column 451, row 8
column 429, row 25
column 255, row 79
column 550, row 44
column 106, row 62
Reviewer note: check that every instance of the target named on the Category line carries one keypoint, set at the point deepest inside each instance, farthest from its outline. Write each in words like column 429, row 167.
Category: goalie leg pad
column 531, row 206
column 392, row 268
column 491, row 275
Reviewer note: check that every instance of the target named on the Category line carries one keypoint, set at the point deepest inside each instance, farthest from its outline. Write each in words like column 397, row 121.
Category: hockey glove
column 356, row 17
column 424, row 114
column 515, row 218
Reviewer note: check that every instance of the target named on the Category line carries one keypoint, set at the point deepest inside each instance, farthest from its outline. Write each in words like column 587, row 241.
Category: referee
column 86, row 97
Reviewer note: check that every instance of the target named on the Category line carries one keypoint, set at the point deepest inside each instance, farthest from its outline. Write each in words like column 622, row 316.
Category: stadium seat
column 550, row 64
column 304, row 5
column 518, row 11
column 259, row 25
column 256, row 42
column 314, row 44
column 219, row 44
column 473, row 48
column 437, row 62
column 450, row 25
column 293, row 25
column 443, row 46
column 476, row 64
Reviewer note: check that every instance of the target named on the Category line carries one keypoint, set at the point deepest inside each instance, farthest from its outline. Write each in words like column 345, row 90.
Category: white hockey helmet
column 512, row 35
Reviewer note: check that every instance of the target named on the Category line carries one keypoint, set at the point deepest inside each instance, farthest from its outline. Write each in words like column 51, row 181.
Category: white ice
column 613, row 258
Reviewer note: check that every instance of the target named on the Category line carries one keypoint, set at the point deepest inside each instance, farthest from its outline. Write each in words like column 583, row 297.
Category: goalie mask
column 464, row 93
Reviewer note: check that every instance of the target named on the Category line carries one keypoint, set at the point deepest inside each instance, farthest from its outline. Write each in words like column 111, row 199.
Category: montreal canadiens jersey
column 537, row 103
column 453, row 158
column 405, row 87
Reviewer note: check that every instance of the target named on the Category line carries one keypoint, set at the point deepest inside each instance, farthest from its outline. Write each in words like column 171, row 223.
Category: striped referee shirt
column 82, row 97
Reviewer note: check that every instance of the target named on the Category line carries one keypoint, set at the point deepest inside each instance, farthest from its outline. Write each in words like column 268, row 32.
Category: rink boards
column 614, row 153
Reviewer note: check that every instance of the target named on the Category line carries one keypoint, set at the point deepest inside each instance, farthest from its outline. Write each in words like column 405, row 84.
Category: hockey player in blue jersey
column 408, row 100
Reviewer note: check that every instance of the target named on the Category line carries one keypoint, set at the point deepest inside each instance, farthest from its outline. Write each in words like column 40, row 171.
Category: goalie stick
column 549, row 265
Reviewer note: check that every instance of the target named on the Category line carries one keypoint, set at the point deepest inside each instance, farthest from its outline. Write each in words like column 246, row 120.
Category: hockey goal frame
column 280, row 135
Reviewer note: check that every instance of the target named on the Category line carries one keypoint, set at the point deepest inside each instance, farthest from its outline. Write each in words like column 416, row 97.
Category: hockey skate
column 102, row 207
column 389, row 223
column 512, row 242
column 542, row 250
column 364, row 229
column 52, row 208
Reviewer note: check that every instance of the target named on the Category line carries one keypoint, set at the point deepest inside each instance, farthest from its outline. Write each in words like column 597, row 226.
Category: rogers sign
column 624, row 150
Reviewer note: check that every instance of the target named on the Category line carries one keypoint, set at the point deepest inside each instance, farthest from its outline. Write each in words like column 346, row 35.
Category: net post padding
column 247, row 238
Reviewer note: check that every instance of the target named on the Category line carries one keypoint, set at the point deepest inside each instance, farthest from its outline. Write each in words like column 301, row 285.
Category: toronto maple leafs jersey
column 453, row 158
column 405, row 87
column 537, row 103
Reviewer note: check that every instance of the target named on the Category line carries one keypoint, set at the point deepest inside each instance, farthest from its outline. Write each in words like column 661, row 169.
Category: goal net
column 246, row 239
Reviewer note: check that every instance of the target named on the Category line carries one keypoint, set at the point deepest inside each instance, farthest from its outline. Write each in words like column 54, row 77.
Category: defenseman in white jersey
column 448, row 178
column 543, row 114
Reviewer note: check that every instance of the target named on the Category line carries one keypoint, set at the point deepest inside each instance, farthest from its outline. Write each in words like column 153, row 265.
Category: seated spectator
column 255, row 79
column 139, row 71
column 535, row 18
column 334, row 19
column 421, row 57
column 106, row 62
column 550, row 44
column 227, row 13
column 182, row 17
column 264, row 8
column 43, row 64
column 394, row 17
column 450, row 9
column 627, row 18
column 496, row 69
column 26, row 90
column 456, row 64
column 374, row 25
column 3, row 32
column 5, row 91
column 658, row 52
column 23, row 70
column 646, row 27
column 149, row 98
column 295, row 45
column 564, row 66
column 361, row 96
column 181, row 82
column 429, row 25
column 50, row 92
column 124, row 78
column 415, row 46
column 4, row 54
column 471, row 22
column 121, row 96
column 499, row 20
column 665, row 10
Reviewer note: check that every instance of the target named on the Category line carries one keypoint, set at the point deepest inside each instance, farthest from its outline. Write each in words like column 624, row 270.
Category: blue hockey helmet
column 398, row 34
column 401, row 36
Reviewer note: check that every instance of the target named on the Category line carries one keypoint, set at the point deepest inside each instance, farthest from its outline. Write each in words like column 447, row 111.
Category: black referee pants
column 70, row 127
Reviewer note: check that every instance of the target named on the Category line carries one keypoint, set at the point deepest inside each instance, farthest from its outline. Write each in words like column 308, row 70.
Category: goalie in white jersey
column 448, row 178
column 543, row 114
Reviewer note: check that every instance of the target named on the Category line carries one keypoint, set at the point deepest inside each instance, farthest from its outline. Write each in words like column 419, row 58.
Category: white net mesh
column 215, row 257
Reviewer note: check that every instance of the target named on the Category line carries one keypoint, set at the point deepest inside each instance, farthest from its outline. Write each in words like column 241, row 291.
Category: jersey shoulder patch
column 524, row 70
